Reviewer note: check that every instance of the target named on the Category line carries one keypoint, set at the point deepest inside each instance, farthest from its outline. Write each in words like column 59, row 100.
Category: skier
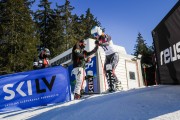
column 112, row 56
column 80, row 57
column 42, row 61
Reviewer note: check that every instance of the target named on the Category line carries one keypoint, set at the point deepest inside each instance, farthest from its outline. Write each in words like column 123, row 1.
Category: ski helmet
column 47, row 52
column 96, row 31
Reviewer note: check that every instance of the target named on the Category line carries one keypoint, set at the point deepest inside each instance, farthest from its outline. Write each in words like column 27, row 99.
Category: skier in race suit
column 42, row 61
column 80, row 57
column 112, row 56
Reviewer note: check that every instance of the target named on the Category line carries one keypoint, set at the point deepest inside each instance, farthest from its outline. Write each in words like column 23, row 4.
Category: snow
column 160, row 102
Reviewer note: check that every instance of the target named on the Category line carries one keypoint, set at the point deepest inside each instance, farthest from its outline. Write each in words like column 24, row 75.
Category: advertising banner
column 34, row 88
column 90, row 84
column 166, row 38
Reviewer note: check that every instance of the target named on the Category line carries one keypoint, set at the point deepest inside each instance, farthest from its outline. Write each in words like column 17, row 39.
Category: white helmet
column 47, row 52
column 96, row 31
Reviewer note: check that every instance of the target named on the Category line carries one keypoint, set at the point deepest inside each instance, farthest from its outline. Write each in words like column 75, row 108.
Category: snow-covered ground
column 154, row 103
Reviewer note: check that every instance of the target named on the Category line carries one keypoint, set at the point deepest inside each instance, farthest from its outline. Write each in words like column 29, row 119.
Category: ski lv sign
column 34, row 88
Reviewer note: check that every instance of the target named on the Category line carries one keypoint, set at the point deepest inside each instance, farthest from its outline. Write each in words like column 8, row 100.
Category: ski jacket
column 107, row 44
column 79, row 55
column 40, row 63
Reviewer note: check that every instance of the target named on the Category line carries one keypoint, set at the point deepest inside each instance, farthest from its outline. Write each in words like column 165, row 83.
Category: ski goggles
column 95, row 34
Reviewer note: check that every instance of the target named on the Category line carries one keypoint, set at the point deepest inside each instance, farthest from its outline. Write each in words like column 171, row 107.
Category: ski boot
column 77, row 96
column 118, row 86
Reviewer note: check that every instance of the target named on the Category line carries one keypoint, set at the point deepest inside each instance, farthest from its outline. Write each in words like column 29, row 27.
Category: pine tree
column 83, row 25
column 43, row 18
column 56, row 34
column 78, row 28
column 89, row 22
column 140, row 47
column 3, row 41
column 66, row 10
column 19, row 43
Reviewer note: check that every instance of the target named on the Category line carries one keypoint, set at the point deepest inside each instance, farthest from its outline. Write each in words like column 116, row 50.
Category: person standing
column 80, row 57
column 112, row 56
column 42, row 61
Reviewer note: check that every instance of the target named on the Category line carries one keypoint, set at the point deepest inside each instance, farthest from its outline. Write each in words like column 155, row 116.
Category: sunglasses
column 95, row 34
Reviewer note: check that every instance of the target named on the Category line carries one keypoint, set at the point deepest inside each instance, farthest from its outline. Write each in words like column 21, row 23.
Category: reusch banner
column 166, row 38
column 34, row 88
column 91, row 86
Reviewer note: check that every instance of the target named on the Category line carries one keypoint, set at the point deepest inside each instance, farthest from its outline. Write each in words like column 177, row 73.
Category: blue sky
column 123, row 19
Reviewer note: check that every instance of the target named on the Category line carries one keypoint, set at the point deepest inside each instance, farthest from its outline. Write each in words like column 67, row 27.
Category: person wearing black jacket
column 80, row 57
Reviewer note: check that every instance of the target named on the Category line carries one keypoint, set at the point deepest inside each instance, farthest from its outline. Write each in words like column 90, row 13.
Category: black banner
column 166, row 38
